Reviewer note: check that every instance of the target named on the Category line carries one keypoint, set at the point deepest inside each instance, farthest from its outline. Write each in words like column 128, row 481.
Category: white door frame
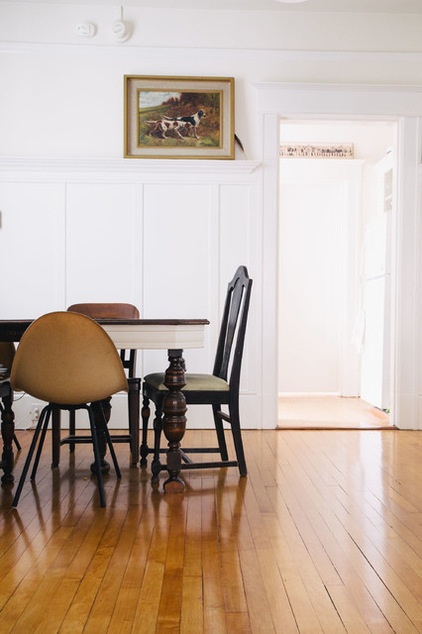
column 364, row 102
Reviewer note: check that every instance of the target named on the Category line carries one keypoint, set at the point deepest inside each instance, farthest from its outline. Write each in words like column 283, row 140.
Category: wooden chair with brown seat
column 69, row 361
column 128, row 358
column 216, row 389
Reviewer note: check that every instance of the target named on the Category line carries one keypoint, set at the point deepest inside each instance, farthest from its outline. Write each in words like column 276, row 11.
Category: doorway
column 334, row 274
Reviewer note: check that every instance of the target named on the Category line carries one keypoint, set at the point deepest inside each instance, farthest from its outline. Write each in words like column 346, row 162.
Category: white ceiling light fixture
column 291, row 1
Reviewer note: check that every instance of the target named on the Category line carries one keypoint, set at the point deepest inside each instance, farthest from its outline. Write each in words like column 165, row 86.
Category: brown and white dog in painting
column 193, row 120
column 181, row 126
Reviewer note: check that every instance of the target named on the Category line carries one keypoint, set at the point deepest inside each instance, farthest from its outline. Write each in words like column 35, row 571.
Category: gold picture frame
column 178, row 117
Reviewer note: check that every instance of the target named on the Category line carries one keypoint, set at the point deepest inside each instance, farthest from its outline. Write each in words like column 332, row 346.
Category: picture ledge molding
column 130, row 170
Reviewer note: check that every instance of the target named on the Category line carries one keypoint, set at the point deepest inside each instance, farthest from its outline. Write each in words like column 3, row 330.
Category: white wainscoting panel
column 31, row 249
column 103, row 238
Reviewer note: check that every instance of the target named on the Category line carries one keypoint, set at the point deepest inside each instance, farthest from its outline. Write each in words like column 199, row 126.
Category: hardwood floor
column 324, row 535
column 329, row 412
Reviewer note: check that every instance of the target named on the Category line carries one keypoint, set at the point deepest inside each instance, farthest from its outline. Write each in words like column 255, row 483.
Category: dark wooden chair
column 216, row 389
column 7, row 354
column 128, row 358
column 55, row 362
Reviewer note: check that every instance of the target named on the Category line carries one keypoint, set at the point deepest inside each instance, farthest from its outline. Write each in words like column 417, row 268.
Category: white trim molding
column 121, row 170
column 355, row 101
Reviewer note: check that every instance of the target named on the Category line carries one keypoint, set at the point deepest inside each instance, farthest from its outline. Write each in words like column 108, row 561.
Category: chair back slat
column 231, row 339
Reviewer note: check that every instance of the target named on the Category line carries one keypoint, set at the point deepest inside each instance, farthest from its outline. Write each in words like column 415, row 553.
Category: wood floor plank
column 192, row 612
column 282, row 616
column 148, row 604
column 95, row 573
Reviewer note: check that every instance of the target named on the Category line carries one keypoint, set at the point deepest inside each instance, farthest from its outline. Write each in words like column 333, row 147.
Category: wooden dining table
column 173, row 335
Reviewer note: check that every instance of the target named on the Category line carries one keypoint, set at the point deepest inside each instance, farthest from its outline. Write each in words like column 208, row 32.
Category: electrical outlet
column 34, row 413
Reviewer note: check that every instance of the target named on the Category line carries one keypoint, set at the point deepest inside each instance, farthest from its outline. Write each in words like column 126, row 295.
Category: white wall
column 64, row 93
column 61, row 129
column 312, row 229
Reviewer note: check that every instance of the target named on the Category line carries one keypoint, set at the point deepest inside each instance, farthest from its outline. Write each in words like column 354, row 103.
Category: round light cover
column 120, row 31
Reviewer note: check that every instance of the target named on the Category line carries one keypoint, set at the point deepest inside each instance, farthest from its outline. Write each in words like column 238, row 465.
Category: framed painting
column 179, row 117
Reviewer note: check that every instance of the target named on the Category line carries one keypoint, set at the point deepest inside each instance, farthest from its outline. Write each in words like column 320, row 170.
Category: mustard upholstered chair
column 7, row 354
column 68, row 360
column 128, row 358
column 216, row 389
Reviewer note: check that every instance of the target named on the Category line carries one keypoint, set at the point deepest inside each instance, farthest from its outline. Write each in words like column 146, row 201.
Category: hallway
column 329, row 412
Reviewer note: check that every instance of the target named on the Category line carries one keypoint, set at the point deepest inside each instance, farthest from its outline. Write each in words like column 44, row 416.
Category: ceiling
column 343, row 6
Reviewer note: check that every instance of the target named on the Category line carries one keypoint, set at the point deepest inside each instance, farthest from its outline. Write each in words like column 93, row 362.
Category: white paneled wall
column 179, row 248
column 103, row 239
column 167, row 240
column 32, row 254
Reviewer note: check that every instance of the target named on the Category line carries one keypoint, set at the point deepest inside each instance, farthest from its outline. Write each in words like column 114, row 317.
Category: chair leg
column 237, row 437
column 104, row 427
column 17, row 443
column 146, row 413
column 158, row 428
column 45, row 412
column 97, row 459
column 133, row 414
column 72, row 429
column 40, row 446
column 220, row 433
column 55, row 437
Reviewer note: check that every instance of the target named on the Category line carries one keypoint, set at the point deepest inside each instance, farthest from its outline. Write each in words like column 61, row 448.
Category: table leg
column 174, row 419
column 133, row 414
column 7, row 432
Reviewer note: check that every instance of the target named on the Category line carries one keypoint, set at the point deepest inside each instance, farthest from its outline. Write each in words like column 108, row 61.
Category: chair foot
column 104, row 465
column 156, row 468
column 174, row 485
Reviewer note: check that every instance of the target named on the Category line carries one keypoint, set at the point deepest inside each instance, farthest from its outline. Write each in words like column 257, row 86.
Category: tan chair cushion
column 194, row 382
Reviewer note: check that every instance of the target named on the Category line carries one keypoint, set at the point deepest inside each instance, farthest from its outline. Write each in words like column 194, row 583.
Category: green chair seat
column 194, row 382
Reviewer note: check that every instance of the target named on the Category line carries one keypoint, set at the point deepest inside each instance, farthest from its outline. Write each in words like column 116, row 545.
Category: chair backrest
column 106, row 311
column 233, row 328
column 112, row 311
column 7, row 353
column 67, row 358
